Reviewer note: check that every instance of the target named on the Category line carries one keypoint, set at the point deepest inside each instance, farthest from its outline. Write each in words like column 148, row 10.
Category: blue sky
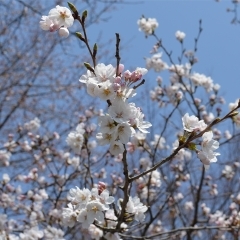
column 218, row 48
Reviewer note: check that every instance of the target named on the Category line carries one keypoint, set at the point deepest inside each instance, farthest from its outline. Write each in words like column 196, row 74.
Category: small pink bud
column 117, row 79
column 120, row 68
column 116, row 86
column 101, row 187
column 135, row 76
column 127, row 75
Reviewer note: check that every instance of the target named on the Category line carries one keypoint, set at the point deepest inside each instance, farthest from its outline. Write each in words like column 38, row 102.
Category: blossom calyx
column 192, row 146
column 181, row 140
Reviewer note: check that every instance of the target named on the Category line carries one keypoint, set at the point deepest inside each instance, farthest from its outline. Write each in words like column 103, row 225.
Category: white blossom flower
column 180, row 36
column 95, row 232
column 4, row 157
column 69, row 215
column 116, row 148
column 75, row 139
column 79, row 197
column 233, row 105
column 48, row 24
column 202, row 80
column 147, row 25
column 95, row 211
column 83, row 218
column 104, row 73
column 135, row 207
column 137, row 119
column 124, row 132
column 191, row 123
column 106, row 138
column 228, row 172
column 107, row 124
column 105, row 199
column 188, row 205
column 156, row 63
column 86, row 77
column 32, row 125
column 207, row 155
column 119, row 111
column 62, row 16
column 105, row 90
column 180, row 70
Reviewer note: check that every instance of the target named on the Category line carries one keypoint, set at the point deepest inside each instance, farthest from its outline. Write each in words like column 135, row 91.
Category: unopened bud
column 233, row 114
column 79, row 35
column 84, row 15
column 63, row 32
column 73, row 8
column 89, row 67
column 95, row 48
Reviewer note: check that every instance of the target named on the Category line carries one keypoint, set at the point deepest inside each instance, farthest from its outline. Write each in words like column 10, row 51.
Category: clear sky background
column 218, row 47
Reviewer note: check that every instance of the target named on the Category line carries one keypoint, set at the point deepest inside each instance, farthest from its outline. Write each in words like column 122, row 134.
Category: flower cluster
column 156, row 63
column 134, row 206
column 32, row 125
column 59, row 18
column 86, row 206
column 202, row 80
column 75, row 139
column 180, row 36
column 209, row 145
column 191, row 123
column 119, row 124
column 147, row 25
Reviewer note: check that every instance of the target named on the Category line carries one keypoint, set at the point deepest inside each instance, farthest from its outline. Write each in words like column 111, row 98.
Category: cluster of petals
column 32, row 125
column 59, row 18
column 156, row 63
column 209, row 145
column 123, row 118
column 147, row 25
column 86, row 206
column 134, row 206
column 202, row 80
column 75, row 139
column 207, row 154
column 192, row 123
column 180, row 36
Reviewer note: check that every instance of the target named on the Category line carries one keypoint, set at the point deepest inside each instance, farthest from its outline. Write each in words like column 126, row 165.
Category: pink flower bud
column 120, row 68
column 101, row 187
column 127, row 75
